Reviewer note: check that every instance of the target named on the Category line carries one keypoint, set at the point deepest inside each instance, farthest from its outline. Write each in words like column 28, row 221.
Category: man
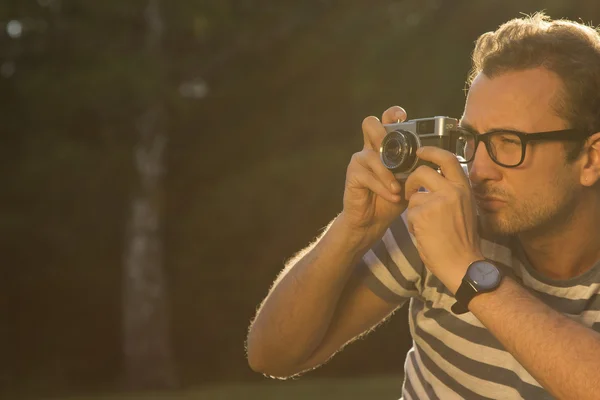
column 528, row 214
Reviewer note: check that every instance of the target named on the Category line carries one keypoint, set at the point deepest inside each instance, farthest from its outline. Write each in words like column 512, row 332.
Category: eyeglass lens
column 503, row 147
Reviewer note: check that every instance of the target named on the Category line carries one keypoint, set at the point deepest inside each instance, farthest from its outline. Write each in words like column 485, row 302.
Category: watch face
column 484, row 274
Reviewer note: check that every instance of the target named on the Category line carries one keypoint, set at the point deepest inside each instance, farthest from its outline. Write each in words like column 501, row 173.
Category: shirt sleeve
column 396, row 272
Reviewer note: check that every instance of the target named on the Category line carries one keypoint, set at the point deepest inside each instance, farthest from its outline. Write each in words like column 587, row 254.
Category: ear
column 590, row 173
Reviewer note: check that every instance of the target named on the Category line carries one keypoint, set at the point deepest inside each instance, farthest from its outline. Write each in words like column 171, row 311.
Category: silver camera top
column 426, row 127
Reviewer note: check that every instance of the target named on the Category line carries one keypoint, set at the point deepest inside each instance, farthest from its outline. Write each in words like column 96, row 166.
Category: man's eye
column 509, row 139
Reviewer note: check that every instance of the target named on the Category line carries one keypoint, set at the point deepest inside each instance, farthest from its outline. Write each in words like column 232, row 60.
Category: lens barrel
column 398, row 151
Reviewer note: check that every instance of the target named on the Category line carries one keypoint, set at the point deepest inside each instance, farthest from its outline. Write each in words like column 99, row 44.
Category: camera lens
column 393, row 150
column 398, row 150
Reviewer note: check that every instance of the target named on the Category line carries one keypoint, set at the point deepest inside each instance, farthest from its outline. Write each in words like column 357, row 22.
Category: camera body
column 398, row 148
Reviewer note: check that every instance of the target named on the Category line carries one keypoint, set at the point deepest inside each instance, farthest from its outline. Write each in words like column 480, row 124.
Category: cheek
column 542, row 184
column 545, row 156
column 528, row 186
column 545, row 164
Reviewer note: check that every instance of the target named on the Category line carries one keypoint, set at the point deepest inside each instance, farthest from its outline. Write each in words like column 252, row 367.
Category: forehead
column 520, row 100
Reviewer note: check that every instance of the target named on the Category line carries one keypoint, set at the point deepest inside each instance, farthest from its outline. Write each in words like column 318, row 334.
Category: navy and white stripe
column 455, row 356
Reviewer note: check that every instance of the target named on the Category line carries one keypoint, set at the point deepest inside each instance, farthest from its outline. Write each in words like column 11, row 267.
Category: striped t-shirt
column 455, row 356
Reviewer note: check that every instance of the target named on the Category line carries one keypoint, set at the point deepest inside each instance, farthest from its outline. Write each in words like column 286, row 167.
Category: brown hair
column 569, row 49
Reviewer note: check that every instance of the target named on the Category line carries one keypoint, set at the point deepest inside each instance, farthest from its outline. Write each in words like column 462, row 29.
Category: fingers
column 394, row 115
column 425, row 177
column 451, row 168
column 367, row 171
column 418, row 199
column 373, row 129
column 373, row 133
column 412, row 210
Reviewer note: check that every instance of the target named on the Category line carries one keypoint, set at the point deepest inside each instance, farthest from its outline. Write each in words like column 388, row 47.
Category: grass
column 378, row 387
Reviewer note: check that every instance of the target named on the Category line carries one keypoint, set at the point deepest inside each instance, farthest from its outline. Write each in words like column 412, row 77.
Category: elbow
column 274, row 367
column 255, row 360
column 258, row 364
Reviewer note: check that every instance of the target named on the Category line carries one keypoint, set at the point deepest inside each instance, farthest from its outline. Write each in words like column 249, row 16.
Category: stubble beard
column 541, row 215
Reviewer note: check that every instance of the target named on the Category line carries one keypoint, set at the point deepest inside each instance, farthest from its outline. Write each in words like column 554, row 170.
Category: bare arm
column 319, row 302
column 317, row 305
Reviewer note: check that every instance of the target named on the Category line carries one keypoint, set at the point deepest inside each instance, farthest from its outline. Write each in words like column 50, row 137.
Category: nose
column 482, row 168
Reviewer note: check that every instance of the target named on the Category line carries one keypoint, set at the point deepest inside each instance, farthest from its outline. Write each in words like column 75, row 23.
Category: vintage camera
column 399, row 147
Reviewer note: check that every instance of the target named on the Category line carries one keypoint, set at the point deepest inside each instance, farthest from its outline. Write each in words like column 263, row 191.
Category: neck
column 570, row 247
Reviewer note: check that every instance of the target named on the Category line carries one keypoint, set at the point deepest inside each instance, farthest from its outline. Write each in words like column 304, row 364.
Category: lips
column 488, row 198
column 489, row 203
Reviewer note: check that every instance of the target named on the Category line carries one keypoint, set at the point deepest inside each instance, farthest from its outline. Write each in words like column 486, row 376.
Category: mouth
column 489, row 203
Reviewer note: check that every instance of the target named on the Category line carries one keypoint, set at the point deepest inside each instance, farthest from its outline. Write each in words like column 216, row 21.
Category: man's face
column 540, row 194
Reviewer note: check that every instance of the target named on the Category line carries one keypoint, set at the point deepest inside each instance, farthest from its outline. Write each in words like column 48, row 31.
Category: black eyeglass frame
column 560, row 135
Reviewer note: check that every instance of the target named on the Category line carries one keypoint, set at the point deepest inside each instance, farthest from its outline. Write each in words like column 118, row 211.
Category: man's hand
column 443, row 220
column 372, row 195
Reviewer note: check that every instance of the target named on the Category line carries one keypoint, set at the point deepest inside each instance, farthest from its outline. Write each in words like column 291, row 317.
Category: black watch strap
column 463, row 296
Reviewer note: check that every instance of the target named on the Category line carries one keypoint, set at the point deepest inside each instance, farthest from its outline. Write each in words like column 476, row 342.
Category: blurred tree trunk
column 147, row 346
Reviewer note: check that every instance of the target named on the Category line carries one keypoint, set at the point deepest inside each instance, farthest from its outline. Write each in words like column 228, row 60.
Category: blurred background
column 160, row 161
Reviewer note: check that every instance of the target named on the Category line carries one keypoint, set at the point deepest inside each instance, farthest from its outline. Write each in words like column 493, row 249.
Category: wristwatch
column 482, row 276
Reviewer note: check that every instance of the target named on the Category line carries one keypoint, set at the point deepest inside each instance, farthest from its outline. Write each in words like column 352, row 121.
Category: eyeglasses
column 505, row 147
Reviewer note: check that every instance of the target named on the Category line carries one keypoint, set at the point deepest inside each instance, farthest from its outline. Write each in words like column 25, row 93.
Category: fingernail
column 395, row 187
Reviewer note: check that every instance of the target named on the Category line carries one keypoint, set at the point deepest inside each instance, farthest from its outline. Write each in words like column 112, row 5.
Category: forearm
column 295, row 315
column 560, row 353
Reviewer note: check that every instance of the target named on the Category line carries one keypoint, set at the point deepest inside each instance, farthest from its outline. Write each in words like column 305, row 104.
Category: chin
column 497, row 224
